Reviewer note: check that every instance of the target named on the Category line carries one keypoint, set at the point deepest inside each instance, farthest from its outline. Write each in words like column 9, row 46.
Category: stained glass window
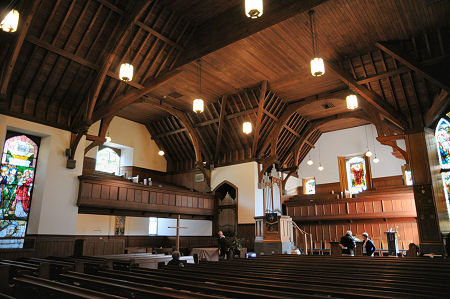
column 443, row 143
column 310, row 185
column 408, row 178
column 120, row 226
column 107, row 161
column 446, row 181
column 18, row 166
column 356, row 174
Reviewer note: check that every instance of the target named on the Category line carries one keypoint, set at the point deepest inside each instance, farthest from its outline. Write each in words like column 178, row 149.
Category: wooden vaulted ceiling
column 61, row 69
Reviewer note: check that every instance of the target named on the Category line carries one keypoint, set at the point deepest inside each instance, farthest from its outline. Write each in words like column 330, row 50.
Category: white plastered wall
column 245, row 178
column 53, row 208
column 347, row 142
column 102, row 225
column 138, row 149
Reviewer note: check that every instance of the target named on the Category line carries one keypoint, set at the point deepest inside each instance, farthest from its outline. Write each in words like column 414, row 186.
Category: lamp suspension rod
column 313, row 33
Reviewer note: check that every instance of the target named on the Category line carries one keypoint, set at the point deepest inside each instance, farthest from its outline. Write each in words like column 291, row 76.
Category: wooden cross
column 178, row 231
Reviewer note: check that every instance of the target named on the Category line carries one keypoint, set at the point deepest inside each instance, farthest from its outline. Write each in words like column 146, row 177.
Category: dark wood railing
column 110, row 193
column 394, row 203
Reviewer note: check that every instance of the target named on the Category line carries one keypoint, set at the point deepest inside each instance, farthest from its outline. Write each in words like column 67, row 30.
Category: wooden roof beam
column 186, row 123
column 440, row 104
column 370, row 96
column 22, row 32
column 411, row 65
column 260, row 114
column 232, row 26
column 220, row 128
column 112, row 48
column 132, row 96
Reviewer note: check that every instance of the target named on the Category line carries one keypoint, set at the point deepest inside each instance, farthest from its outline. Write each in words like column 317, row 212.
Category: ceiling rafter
column 12, row 59
column 411, row 65
column 370, row 96
column 124, row 29
column 220, row 129
column 261, row 100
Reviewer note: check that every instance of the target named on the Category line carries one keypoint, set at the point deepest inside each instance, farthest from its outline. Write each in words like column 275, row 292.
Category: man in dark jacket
column 222, row 244
column 348, row 244
column 368, row 248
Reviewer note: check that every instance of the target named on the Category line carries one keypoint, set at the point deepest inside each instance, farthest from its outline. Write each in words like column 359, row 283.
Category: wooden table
column 208, row 254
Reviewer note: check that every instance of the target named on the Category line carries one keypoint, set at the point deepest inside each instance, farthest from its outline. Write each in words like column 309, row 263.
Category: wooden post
column 427, row 217
column 306, row 244
column 178, row 232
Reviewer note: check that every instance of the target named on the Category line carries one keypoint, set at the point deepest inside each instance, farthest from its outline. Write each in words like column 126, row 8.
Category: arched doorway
column 226, row 195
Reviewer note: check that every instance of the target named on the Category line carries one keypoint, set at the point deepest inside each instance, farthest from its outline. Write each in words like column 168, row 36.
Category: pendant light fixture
column 247, row 127
column 126, row 72
column 198, row 105
column 309, row 162
column 375, row 159
column 320, row 168
column 161, row 153
column 317, row 65
column 352, row 102
column 368, row 152
column 254, row 8
column 108, row 138
column 10, row 21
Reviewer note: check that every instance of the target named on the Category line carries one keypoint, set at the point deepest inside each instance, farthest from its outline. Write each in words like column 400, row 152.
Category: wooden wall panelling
column 95, row 192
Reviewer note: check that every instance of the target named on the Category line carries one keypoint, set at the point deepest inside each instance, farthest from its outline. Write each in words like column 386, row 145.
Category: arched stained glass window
column 442, row 135
column 356, row 175
column 107, row 161
column 443, row 143
column 18, row 166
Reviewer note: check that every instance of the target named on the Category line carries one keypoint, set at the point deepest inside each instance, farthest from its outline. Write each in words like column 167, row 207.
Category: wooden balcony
column 387, row 203
column 119, row 194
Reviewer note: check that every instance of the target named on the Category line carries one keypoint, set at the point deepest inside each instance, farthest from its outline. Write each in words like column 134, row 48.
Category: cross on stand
column 178, row 232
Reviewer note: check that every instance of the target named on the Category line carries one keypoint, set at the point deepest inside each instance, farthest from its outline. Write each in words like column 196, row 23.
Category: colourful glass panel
column 16, row 186
column 408, row 178
column 310, row 186
column 443, row 143
column 356, row 172
column 446, row 182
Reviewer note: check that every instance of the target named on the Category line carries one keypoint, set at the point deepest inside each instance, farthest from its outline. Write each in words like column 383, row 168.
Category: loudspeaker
column 71, row 164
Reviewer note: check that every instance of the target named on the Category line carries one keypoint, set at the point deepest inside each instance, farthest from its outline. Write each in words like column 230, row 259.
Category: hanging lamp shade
column 108, row 138
column 126, row 72
column 310, row 162
column 317, row 67
column 376, row 160
column 352, row 101
column 10, row 22
column 161, row 153
column 369, row 153
column 247, row 127
column 253, row 8
column 198, row 105
column 320, row 168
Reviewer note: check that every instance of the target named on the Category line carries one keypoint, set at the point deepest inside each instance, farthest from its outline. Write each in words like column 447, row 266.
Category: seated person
column 348, row 244
column 175, row 261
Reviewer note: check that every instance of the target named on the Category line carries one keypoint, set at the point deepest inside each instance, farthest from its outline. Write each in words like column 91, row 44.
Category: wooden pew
column 35, row 287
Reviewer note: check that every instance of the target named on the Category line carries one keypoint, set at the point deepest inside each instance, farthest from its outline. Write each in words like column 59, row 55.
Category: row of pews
column 278, row 276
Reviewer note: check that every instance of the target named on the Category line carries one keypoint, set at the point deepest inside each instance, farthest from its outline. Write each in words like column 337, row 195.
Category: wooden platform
column 146, row 260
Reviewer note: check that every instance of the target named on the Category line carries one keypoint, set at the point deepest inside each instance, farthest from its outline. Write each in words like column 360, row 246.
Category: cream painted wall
column 349, row 142
column 88, row 224
column 194, row 227
column 53, row 207
column 139, row 149
column 138, row 226
column 245, row 178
